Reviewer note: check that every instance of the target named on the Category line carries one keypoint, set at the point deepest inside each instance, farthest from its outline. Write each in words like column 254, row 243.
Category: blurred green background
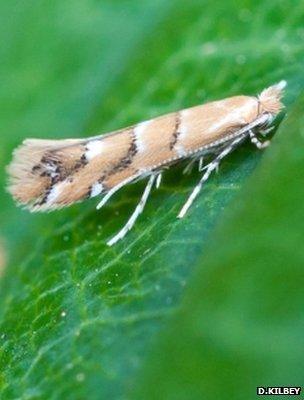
column 207, row 307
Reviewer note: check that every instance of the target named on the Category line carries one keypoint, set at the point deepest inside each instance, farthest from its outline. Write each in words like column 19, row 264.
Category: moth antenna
column 138, row 210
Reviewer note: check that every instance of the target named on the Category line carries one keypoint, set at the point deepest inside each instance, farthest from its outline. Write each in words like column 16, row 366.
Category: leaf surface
column 78, row 318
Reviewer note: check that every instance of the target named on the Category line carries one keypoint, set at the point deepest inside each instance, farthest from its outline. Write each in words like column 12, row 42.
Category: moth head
column 270, row 99
column 271, row 107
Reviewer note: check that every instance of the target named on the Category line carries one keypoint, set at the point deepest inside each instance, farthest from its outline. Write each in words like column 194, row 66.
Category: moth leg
column 265, row 132
column 112, row 191
column 201, row 164
column 138, row 210
column 260, row 145
column 190, row 165
column 158, row 180
column 208, row 169
column 187, row 170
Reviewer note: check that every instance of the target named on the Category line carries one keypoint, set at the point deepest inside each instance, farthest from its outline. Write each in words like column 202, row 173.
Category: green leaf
column 78, row 318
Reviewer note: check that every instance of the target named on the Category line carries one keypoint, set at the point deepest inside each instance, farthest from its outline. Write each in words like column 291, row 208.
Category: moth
column 45, row 175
